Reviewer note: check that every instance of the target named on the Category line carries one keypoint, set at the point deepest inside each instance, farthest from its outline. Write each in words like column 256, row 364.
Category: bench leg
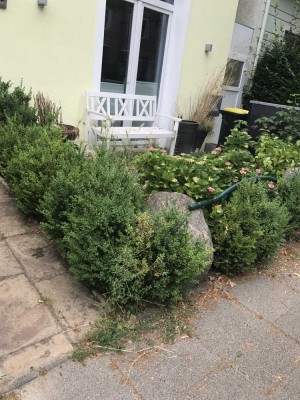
column 172, row 147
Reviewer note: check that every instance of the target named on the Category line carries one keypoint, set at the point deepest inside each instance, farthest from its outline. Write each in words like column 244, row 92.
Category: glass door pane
column 151, row 53
column 117, row 35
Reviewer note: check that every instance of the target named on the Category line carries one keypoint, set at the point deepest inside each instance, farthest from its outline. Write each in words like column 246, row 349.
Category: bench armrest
column 175, row 119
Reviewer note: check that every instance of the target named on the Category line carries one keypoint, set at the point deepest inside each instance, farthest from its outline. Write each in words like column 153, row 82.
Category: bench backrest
column 121, row 107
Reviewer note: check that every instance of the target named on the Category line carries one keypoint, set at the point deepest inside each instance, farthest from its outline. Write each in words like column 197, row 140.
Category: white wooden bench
column 104, row 109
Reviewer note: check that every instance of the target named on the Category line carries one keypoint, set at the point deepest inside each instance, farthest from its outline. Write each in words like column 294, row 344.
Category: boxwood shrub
column 34, row 164
column 155, row 259
column 289, row 191
column 247, row 229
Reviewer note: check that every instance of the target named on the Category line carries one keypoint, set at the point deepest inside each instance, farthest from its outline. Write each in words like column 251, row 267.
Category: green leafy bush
column 34, row 164
column 15, row 103
column 275, row 156
column 289, row 191
column 248, row 229
column 14, row 136
column 277, row 74
column 155, row 259
column 201, row 177
column 285, row 124
column 100, row 200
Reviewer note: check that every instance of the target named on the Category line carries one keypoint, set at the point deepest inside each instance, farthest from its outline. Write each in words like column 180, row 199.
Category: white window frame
column 174, row 49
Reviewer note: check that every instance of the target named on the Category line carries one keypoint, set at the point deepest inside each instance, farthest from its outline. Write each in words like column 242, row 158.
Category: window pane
column 168, row 1
column 151, row 54
column 233, row 74
column 118, row 22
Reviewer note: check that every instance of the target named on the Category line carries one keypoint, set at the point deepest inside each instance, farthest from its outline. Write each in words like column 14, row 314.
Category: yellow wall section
column 51, row 48
column 210, row 22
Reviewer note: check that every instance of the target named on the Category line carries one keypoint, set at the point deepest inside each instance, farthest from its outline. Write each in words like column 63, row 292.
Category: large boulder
column 196, row 221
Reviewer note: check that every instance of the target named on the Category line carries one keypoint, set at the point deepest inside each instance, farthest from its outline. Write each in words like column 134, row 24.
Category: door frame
column 174, row 49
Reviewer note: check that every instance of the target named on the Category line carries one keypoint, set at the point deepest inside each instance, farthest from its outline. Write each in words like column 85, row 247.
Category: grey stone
column 196, row 221
column 291, row 171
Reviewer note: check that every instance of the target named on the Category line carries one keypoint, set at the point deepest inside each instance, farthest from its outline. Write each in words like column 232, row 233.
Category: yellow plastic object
column 236, row 110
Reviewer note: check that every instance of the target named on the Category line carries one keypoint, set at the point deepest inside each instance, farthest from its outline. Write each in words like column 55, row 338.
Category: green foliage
column 34, row 164
column 200, row 177
column 14, row 103
column 156, row 259
column 277, row 73
column 248, row 229
column 275, row 156
column 289, row 191
column 14, row 137
column 285, row 124
column 100, row 205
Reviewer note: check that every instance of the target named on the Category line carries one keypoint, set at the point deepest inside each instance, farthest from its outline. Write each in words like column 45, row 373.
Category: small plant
column 48, row 113
column 275, row 156
column 285, row 124
column 14, row 103
column 248, row 229
column 200, row 107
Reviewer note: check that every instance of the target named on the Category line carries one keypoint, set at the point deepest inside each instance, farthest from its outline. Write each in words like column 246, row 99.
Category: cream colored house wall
column 210, row 22
column 51, row 48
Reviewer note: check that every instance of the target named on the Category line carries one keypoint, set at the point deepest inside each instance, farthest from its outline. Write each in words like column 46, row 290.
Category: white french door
column 136, row 36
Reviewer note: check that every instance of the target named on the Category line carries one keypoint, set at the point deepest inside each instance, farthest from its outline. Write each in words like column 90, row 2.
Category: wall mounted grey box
column 208, row 48
column 42, row 2
column 3, row 3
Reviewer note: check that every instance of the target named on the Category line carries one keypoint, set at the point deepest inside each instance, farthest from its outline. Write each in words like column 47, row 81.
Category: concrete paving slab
column 37, row 256
column 290, row 322
column 260, row 352
column 226, row 328
column 23, row 319
column 95, row 381
column 71, row 303
column 170, row 374
column 10, row 210
column 4, row 195
column 12, row 226
column 33, row 360
column 289, row 389
column 225, row 384
column 265, row 296
column 8, row 264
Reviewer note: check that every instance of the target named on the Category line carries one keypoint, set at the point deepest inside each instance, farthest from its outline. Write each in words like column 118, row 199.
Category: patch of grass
column 150, row 328
column 45, row 301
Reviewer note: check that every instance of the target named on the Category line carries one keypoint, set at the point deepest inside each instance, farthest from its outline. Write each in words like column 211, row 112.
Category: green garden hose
column 227, row 192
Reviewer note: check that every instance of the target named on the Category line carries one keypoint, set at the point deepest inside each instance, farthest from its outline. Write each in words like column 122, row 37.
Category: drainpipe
column 262, row 32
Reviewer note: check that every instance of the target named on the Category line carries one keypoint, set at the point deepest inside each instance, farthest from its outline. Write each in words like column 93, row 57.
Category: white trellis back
column 123, row 107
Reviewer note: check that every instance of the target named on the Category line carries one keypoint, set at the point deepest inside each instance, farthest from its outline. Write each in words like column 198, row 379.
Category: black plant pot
column 189, row 137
